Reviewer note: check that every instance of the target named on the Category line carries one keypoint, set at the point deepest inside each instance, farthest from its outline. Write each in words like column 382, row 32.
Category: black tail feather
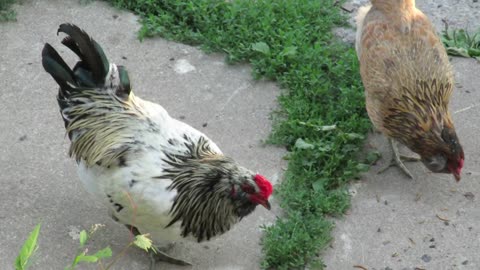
column 70, row 43
column 87, row 83
column 88, row 73
column 53, row 63
column 91, row 54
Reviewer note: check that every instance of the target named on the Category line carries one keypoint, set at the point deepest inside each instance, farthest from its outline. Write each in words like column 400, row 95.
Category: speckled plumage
column 408, row 79
column 153, row 172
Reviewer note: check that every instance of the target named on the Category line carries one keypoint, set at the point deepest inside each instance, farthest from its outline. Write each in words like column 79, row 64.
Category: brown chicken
column 408, row 83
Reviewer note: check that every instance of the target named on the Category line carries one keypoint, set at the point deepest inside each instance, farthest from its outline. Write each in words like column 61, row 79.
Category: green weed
column 28, row 249
column 82, row 255
column 322, row 120
column 460, row 42
column 30, row 246
column 6, row 13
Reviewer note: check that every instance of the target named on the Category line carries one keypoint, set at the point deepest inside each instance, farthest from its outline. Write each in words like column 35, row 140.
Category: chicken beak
column 266, row 204
column 457, row 177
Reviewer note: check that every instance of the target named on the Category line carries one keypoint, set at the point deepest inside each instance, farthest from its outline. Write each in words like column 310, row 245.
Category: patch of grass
column 460, row 42
column 6, row 13
column 322, row 120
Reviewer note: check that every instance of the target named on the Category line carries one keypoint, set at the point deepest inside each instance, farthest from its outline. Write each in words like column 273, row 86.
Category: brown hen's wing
column 406, row 73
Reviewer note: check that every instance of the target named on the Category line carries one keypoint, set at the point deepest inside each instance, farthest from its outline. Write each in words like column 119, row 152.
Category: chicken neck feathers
column 200, row 201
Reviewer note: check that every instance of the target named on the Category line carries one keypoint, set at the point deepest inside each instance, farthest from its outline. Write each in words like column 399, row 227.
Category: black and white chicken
column 155, row 174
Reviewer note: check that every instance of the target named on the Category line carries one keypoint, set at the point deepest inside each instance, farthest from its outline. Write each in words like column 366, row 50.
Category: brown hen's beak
column 457, row 176
column 266, row 204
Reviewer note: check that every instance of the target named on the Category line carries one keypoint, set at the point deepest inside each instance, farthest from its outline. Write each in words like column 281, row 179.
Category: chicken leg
column 397, row 159
column 158, row 254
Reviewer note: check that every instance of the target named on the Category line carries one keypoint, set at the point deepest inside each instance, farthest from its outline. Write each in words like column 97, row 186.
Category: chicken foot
column 397, row 159
column 158, row 254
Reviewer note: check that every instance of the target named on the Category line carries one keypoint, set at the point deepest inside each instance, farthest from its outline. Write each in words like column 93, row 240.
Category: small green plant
column 82, row 255
column 23, row 260
column 28, row 249
column 141, row 241
column 460, row 42
column 6, row 13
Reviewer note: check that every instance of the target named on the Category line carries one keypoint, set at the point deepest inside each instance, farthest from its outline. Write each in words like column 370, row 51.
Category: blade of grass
column 28, row 249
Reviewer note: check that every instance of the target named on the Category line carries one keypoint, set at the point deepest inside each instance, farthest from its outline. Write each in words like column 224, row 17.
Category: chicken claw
column 155, row 255
column 160, row 256
column 159, row 253
column 397, row 160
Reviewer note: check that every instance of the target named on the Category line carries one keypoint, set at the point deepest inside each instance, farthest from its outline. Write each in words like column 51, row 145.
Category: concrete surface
column 39, row 182
column 431, row 222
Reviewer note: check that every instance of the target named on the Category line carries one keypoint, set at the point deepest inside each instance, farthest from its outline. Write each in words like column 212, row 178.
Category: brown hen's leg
column 397, row 159
column 158, row 254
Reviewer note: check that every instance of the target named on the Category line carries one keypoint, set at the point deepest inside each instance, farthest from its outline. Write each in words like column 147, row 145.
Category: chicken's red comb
column 265, row 186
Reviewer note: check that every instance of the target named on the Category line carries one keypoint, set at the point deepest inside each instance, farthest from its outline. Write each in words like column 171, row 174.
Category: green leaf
column 363, row 167
column 327, row 128
column 143, row 242
column 355, row 136
column 289, row 51
column 473, row 52
column 324, row 148
column 83, row 238
column 318, row 185
column 372, row 157
column 301, row 144
column 261, row 47
column 104, row 253
column 455, row 51
column 317, row 127
column 86, row 258
column 348, row 148
column 28, row 249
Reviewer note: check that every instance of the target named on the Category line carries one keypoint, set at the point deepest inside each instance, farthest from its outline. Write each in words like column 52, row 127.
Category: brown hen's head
column 448, row 157
column 419, row 118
